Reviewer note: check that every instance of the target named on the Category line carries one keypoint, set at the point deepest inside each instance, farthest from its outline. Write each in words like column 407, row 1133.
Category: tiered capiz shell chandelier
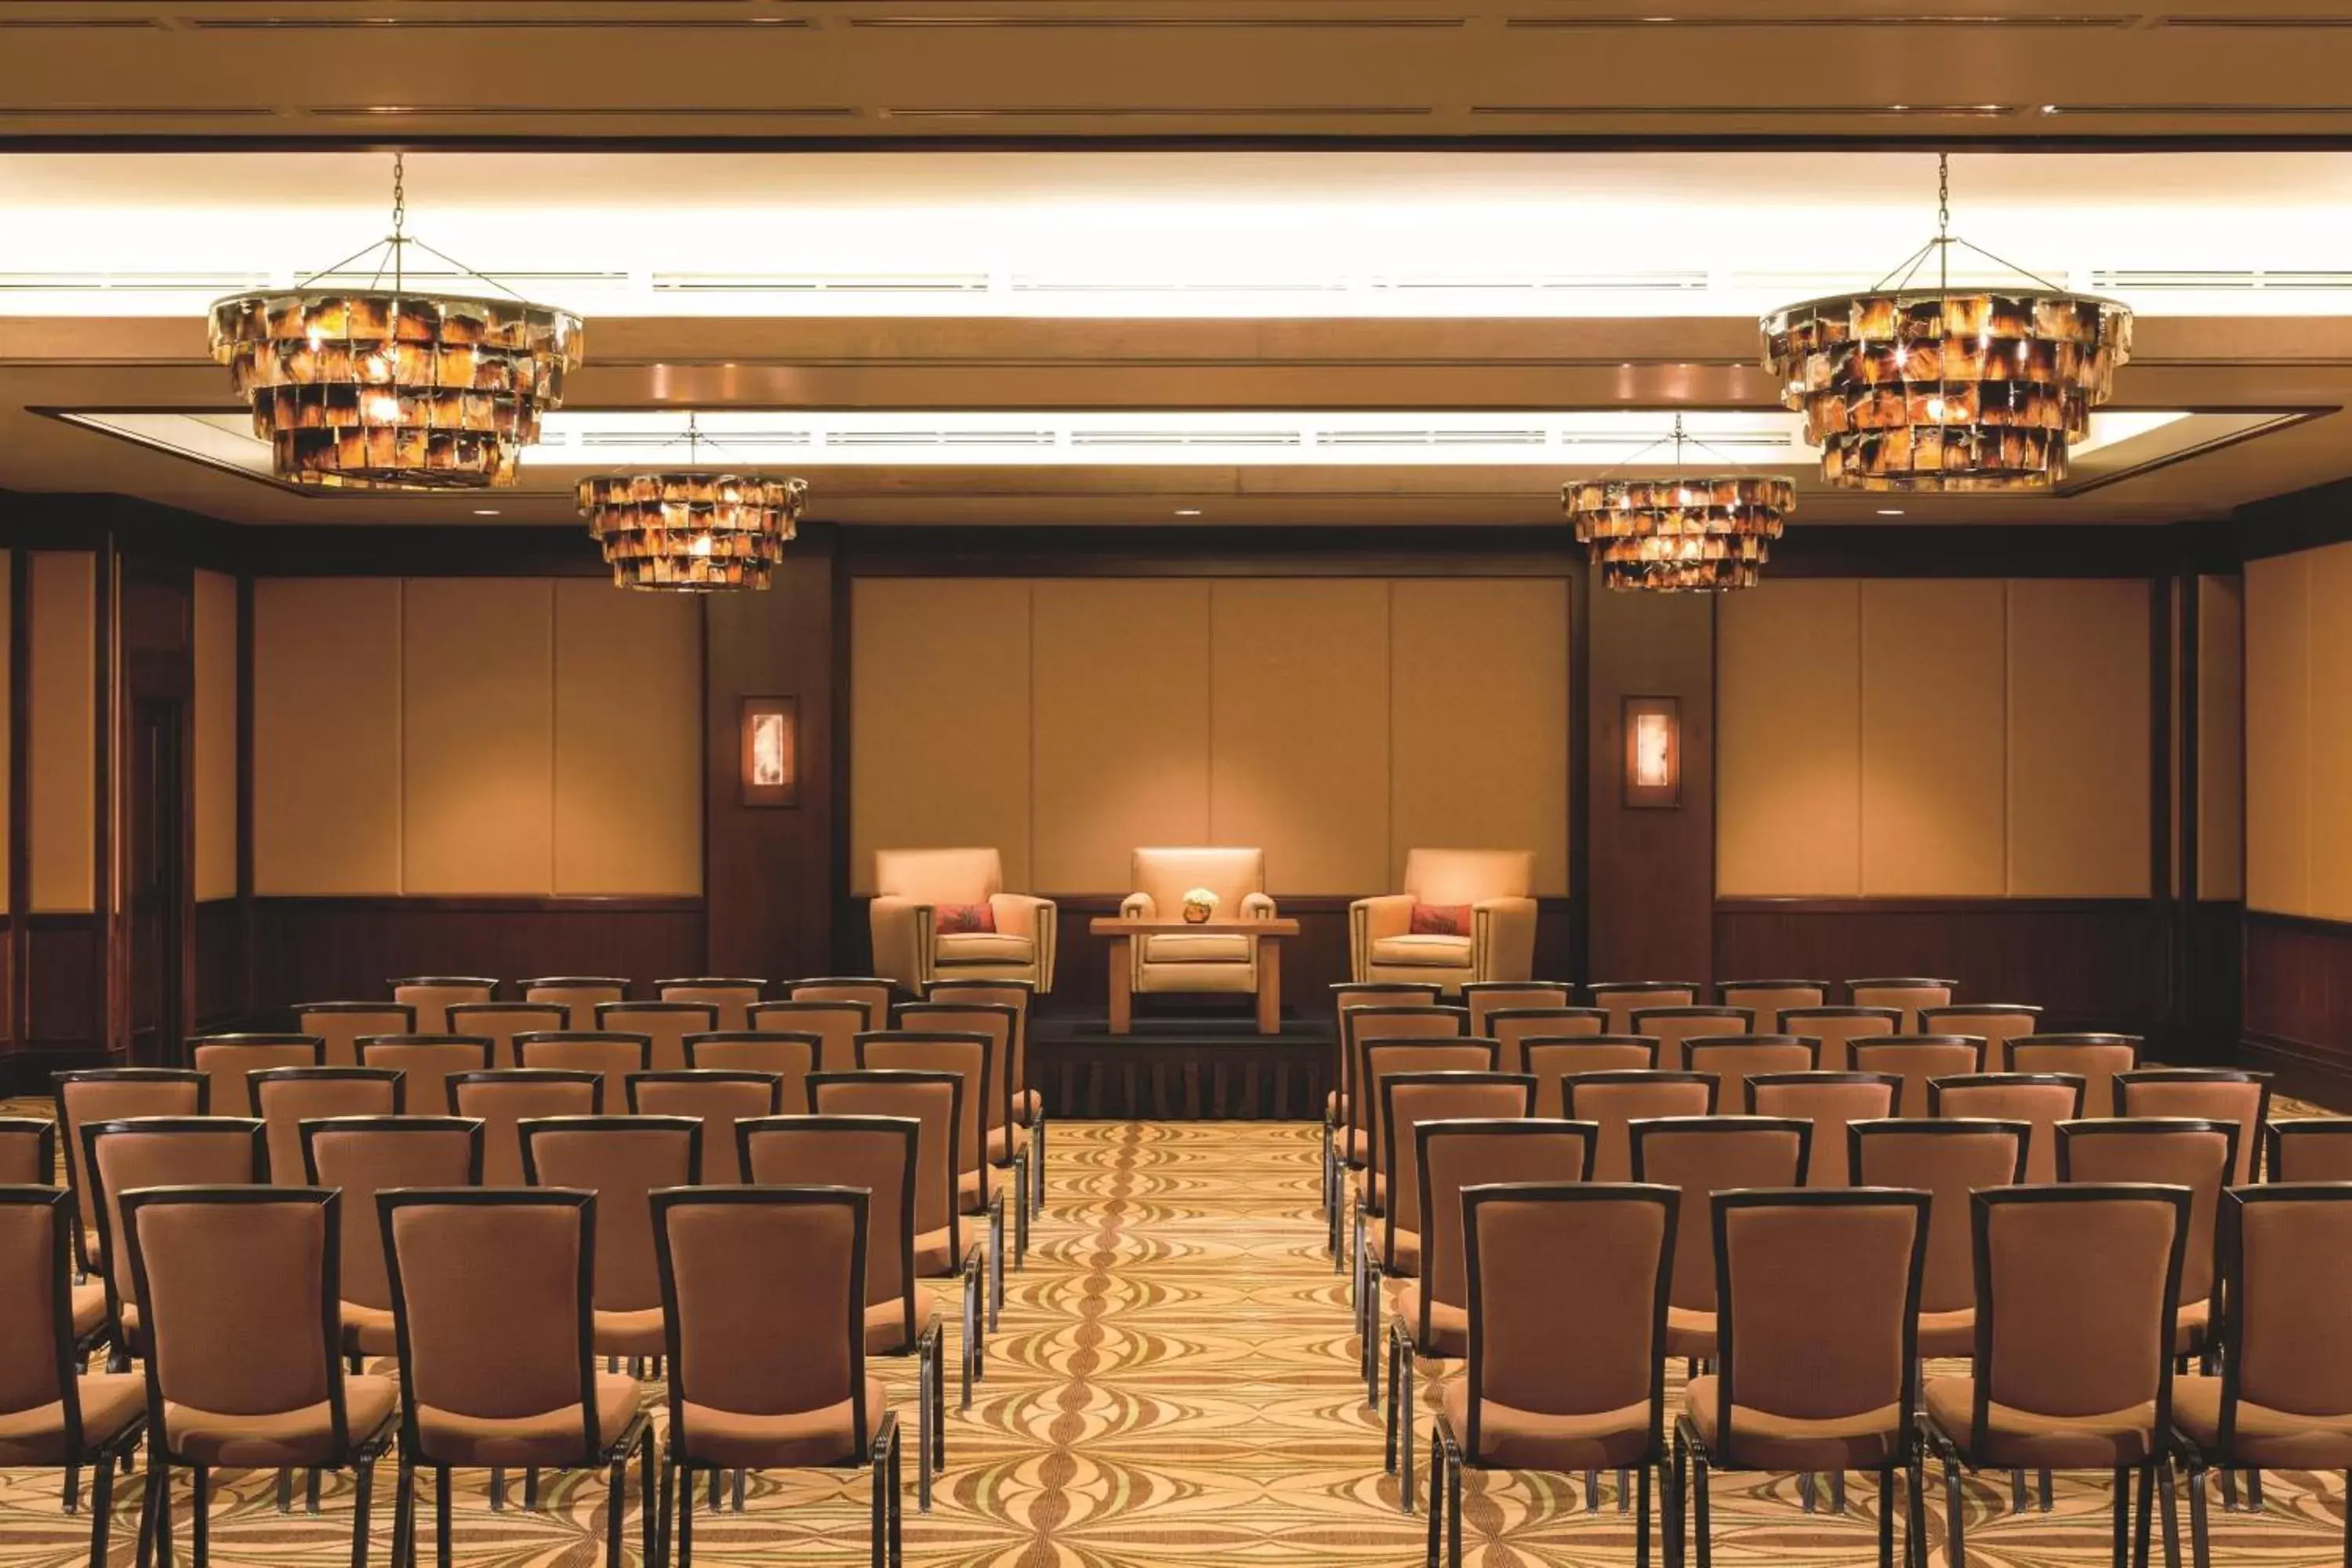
column 1923, row 388
column 692, row 529
column 398, row 388
column 1676, row 533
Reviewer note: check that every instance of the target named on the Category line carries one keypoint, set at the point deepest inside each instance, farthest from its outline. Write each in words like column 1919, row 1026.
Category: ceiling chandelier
column 1677, row 533
column 397, row 388
column 1921, row 388
column 692, row 529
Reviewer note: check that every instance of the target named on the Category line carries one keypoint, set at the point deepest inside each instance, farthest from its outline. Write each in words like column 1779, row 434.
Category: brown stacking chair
column 876, row 993
column 836, row 1024
column 1353, row 1147
column 504, row 1099
column 2210, row 1094
column 732, row 997
column 1028, row 1104
column 621, row 1159
column 343, row 1024
column 577, row 994
column 2039, row 1099
column 794, row 1395
column 1513, row 1027
column 719, row 1100
column 1375, row 1058
column 876, row 1154
column 159, row 1151
column 1768, row 999
column 1832, row 1102
column 365, row 1156
column 1001, row 1022
column 1622, row 999
column 1551, row 1057
column 666, row 1023
column 1949, row 1160
column 1919, row 1059
column 1818, row 1296
column 1702, row 1155
column 1484, row 998
column 2174, row 1152
column 1905, row 994
column 2099, row 1058
column 791, row 1058
column 498, row 1367
column 970, row 1056
column 1337, row 1104
column 611, row 1055
column 1996, row 1023
column 1838, row 1028
column 1521, row 1405
column 108, row 1094
column 427, row 1063
column 2283, row 1400
column 2309, row 1148
column 53, row 1414
column 227, row 1060
column 1732, row 1060
column 1674, row 1027
column 244, row 1369
column 1613, row 1101
column 2075, row 1286
column 432, row 995
column 28, row 1152
column 502, row 1022
column 285, row 1097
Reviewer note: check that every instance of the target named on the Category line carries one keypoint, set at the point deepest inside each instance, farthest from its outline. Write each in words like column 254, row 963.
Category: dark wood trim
column 110, row 734
column 1923, row 906
column 1580, row 773
column 412, row 550
column 19, row 870
column 2299, row 519
column 485, row 903
column 247, row 982
column 2272, row 920
column 2163, row 610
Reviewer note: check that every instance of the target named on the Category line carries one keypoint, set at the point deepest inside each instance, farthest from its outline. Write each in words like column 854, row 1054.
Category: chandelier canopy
column 692, row 529
column 398, row 388
column 1926, row 388
column 1676, row 533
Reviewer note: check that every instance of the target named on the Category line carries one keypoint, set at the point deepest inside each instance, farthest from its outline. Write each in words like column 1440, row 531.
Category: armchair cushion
column 1440, row 919
column 983, row 947
column 1181, row 948
column 1440, row 951
column 961, row 919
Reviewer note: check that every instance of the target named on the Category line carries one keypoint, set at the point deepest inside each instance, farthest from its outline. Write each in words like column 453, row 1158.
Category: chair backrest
column 1949, row 1160
column 1769, row 998
column 939, row 876
column 1384, row 1021
column 343, row 1024
column 1613, row 1101
column 1704, row 1155
column 789, row 1057
column 1411, row 1054
column 1454, row 1155
column 1838, row 1028
column 285, row 1097
column 504, row 1099
column 1819, row 1304
column 931, row 1050
column 1674, row 1027
column 612, row 1056
column 2211, row 1094
column 718, row 1099
column 934, row 1101
column 1917, row 1059
column 1468, row 876
column 37, row 1358
column 2100, row 1059
column 1017, row 995
column 500, row 1022
column 2076, row 1287
column 227, row 1060
column 2287, row 1271
column 875, row 993
column 875, row 1153
column 110, row 1094
column 763, row 1299
column 1484, row 998
column 1905, row 994
column 2170, row 1151
column 1830, row 1101
column 137, row 1151
column 577, row 994
column 1996, row 1023
column 836, row 1024
column 28, row 1152
column 1168, row 874
column 622, row 1160
column 1551, row 1057
column 365, row 1156
column 432, row 995
column 493, row 1344
column 1527, row 1257
column 1410, row 1099
column 2039, row 1099
column 1732, row 1060
column 2309, row 1148
column 665, row 1023
column 427, row 1063
column 1620, row 999
column 1347, row 995
column 1512, row 1028
column 1000, row 1024
column 731, row 996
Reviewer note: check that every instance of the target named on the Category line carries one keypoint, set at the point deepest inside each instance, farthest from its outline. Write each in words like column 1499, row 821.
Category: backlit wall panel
column 62, row 729
column 2280, row 726
column 2220, row 737
column 216, row 735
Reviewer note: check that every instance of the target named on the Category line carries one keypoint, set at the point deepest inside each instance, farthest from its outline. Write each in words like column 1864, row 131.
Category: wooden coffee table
column 1123, row 932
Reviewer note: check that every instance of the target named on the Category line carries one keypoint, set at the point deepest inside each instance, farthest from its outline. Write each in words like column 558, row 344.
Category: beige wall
column 216, row 735
column 2220, row 737
column 1337, row 722
column 7, row 719
column 1934, row 738
column 62, row 728
column 2298, row 733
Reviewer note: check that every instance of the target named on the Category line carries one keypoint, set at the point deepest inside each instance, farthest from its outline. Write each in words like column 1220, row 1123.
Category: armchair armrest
column 1024, row 914
column 902, row 941
column 1369, row 919
column 1138, row 907
column 1503, row 939
column 1256, row 907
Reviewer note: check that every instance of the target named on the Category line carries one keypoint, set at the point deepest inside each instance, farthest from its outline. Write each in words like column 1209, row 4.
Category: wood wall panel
column 477, row 766
column 326, row 735
column 2220, row 737
column 1650, row 873
column 2278, row 710
column 219, row 937
column 1932, row 738
column 2079, row 739
column 628, row 742
column 2330, row 789
column 2298, row 1004
column 1789, row 704
column 8, row 741
column 63, row 730
column 214, row 716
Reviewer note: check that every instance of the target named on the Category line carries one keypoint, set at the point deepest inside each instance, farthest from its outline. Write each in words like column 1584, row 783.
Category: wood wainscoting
column 2298, row 1004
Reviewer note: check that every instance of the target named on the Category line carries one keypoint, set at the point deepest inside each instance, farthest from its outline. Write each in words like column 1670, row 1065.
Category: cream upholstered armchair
column 1204, row 961
column 943, row 914
column 1464, row 915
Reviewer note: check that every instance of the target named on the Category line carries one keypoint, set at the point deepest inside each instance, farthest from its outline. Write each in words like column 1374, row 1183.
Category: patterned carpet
column 1173, row 1386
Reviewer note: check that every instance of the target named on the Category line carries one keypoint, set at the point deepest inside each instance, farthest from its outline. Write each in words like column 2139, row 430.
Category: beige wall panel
column 7, row 719
column 1121, row 750
column 216, row 737
column 2220, row 737
column 1788, row 806
column 628, row 741
column 477, row 703
column 1478, row 720
column 2278, row 734
column 1932, row 730
column 63, row 730
column 2331, row 733
column 2079, row 738
column 1298, row 725
column 939, row 674
column 326, row 735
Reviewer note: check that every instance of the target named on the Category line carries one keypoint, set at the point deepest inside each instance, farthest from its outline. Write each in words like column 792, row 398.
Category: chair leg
column 403, row 1513
column 2229, row 1478
column 1389, row 1419
column 1453, row 1509
column 2254, row 1491
column 362, row 1491
column 1704, row 1523
column 1592, row 1491
column 2046, row 1492
column 531, row 1488
column 668, row 1505
column 101, row 1510
column 286, row 1491
column 200, row 1529
column 739, row 1489
column 310, row 1491
column 2171, row 1524
column 685, row 1515
column 1037, row 1163
column 877, row 1523
column 2121, row 1551
column 1436, row 1496
column 441, row 1543
column 1021, row 1210
column 1624, row 1489
column 73, row 1499
column 1675, row 1494
column 2017, row 1498
column 718, row 1485
column 926, row 1415
column 1401, row 1396
column 899, row 1502
column 2200, row 1545
column 1915, row 1502
column 1642, row 1526
column 2144, row 1515
column 497, row 1489
column 1886, row 1518
column 995, row 1259
column 1806, row 1488
column 617, row 1497
column 1837, row 1491
column 159, row 1488
column 648, row 1498
column 1955, row 1513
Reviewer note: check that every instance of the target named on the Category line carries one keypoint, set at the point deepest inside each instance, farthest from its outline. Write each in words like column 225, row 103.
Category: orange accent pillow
column 1440, row 919
column 960, row 920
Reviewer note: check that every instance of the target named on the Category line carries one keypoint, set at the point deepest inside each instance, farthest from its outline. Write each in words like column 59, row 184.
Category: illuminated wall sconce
column 771, row 742
column 1653, row 752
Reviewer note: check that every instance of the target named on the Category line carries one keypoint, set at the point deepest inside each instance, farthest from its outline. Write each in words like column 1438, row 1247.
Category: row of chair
column 1907, row 995
column 430, row 995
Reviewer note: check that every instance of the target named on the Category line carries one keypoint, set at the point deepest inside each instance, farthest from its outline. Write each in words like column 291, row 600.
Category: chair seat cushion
column 1002, row 1142
column 1952, row 1333
column 1403, row 1254
column 630, row 1333
column 971, row 1191
column 368, row 1330
column 2263, row 1438
column 1690, row 1332
column 1438, row 951
column 734, row 1438
column 2019, row 1439
column 1767, row 1441
column 89, row 1308
column 1177, row 947
column 935, row 1253
column 110, row 1401
column 1449, row 1326
column 982, row 947
column 551, row 1439
column 305, row 1436
column 2193, row 1326
column 1533, row 1440
column 886, row 1329
column 1028, row 1105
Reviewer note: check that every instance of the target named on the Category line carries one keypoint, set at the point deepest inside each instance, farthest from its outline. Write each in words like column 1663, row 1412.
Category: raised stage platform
column 1181, row 1069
